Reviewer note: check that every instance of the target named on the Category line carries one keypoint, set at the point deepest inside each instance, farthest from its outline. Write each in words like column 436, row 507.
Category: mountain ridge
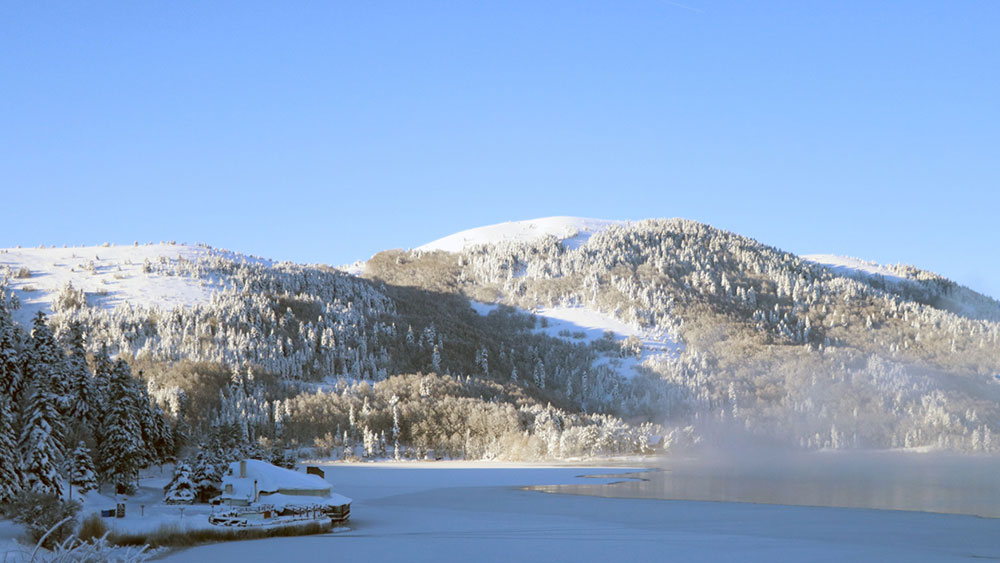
column 668, row 322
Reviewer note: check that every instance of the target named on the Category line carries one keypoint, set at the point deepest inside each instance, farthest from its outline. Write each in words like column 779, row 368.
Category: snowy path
column 415, row 513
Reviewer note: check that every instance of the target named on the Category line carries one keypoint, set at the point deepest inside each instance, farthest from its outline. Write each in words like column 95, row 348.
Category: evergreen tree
column 206, row 477
column 121, row 449
column 81, row 470
column 42, row 427
column 41, row 441
column 103, row 366
column 149, row 428
column 181, row 489
column 10, row 369
column 436, row 359
column 163, row 439
column 79, row 385
column 282, row 457
column 10, row 474
column 44, row 361
column 539, row 374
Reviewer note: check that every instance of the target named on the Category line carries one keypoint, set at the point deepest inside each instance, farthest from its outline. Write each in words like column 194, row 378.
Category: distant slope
column 946, row 294
column 573, row 231
column 151, row 275
column 849, row 265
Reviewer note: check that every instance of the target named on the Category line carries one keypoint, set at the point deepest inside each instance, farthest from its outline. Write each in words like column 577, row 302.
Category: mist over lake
column 925, row 482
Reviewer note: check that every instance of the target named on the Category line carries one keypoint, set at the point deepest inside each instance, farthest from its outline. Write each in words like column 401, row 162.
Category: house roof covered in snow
column 277, row 483
column 270, row 478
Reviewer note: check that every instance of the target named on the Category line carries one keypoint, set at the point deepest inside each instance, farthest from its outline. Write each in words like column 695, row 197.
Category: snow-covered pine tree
column 103, row 364
column 181, row 489
column 41, row 441
column 44, row 360
column 81, row 469
column 10, row 472
column 120, row 447
column 10, row 369
column 79, row 381
column 149, row 428
column 163, row 439
column 79, row 384
column 102, row 379
column 539, row 374
column 436, row 359
column 205, row 477
column 42, row 429
column 283, row 457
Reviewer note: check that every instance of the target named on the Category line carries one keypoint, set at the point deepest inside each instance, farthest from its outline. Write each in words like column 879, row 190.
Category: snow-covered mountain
column 656, row 320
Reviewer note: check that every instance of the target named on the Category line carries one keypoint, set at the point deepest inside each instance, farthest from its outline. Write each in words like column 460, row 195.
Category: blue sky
column 324, row 132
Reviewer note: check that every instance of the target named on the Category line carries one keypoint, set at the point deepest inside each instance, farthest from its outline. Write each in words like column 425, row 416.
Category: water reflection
column 881, row 480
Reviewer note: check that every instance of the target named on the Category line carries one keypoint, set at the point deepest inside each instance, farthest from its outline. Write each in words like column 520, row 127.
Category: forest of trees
column 66, row 417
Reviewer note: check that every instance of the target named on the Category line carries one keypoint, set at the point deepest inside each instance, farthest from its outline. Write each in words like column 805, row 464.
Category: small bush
column 22, row 273
column 92, row 528
column 40, row 512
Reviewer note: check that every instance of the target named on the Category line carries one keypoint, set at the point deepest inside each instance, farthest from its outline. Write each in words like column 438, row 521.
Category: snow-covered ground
column 110, row 275
column 573, row 231
column 584, row 325
column 474, row 512
column 846, row 265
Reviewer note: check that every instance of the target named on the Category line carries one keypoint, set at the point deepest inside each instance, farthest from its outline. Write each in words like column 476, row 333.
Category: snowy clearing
column 573, row 231
column 436, row 512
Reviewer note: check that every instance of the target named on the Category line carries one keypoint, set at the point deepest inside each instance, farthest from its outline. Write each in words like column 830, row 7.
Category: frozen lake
column 479, row 512
column 881, row 480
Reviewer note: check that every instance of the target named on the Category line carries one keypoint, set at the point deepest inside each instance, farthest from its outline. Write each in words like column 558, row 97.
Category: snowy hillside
column 846, row 265
column 109, row 276
column 573, row 231
column 958, row 299
column 583, row 325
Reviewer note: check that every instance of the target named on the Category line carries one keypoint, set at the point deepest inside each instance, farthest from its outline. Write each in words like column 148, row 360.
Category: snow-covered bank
column 425, row 512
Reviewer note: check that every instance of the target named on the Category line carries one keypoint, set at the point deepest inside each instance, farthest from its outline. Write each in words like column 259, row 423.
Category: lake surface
column 879, row 480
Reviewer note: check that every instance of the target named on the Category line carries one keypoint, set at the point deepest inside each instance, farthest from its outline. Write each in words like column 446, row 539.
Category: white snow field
column 573, row 231
column 584, row 325
column 475, row 512
column 111, row 275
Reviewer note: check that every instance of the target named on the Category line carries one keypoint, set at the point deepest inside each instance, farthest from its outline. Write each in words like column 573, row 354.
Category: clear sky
column 324, row 132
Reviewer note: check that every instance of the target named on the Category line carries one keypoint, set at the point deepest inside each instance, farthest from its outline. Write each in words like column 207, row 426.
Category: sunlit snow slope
column 847, row 265
column 959, row 300
column 110, row 275
column 573, row 231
